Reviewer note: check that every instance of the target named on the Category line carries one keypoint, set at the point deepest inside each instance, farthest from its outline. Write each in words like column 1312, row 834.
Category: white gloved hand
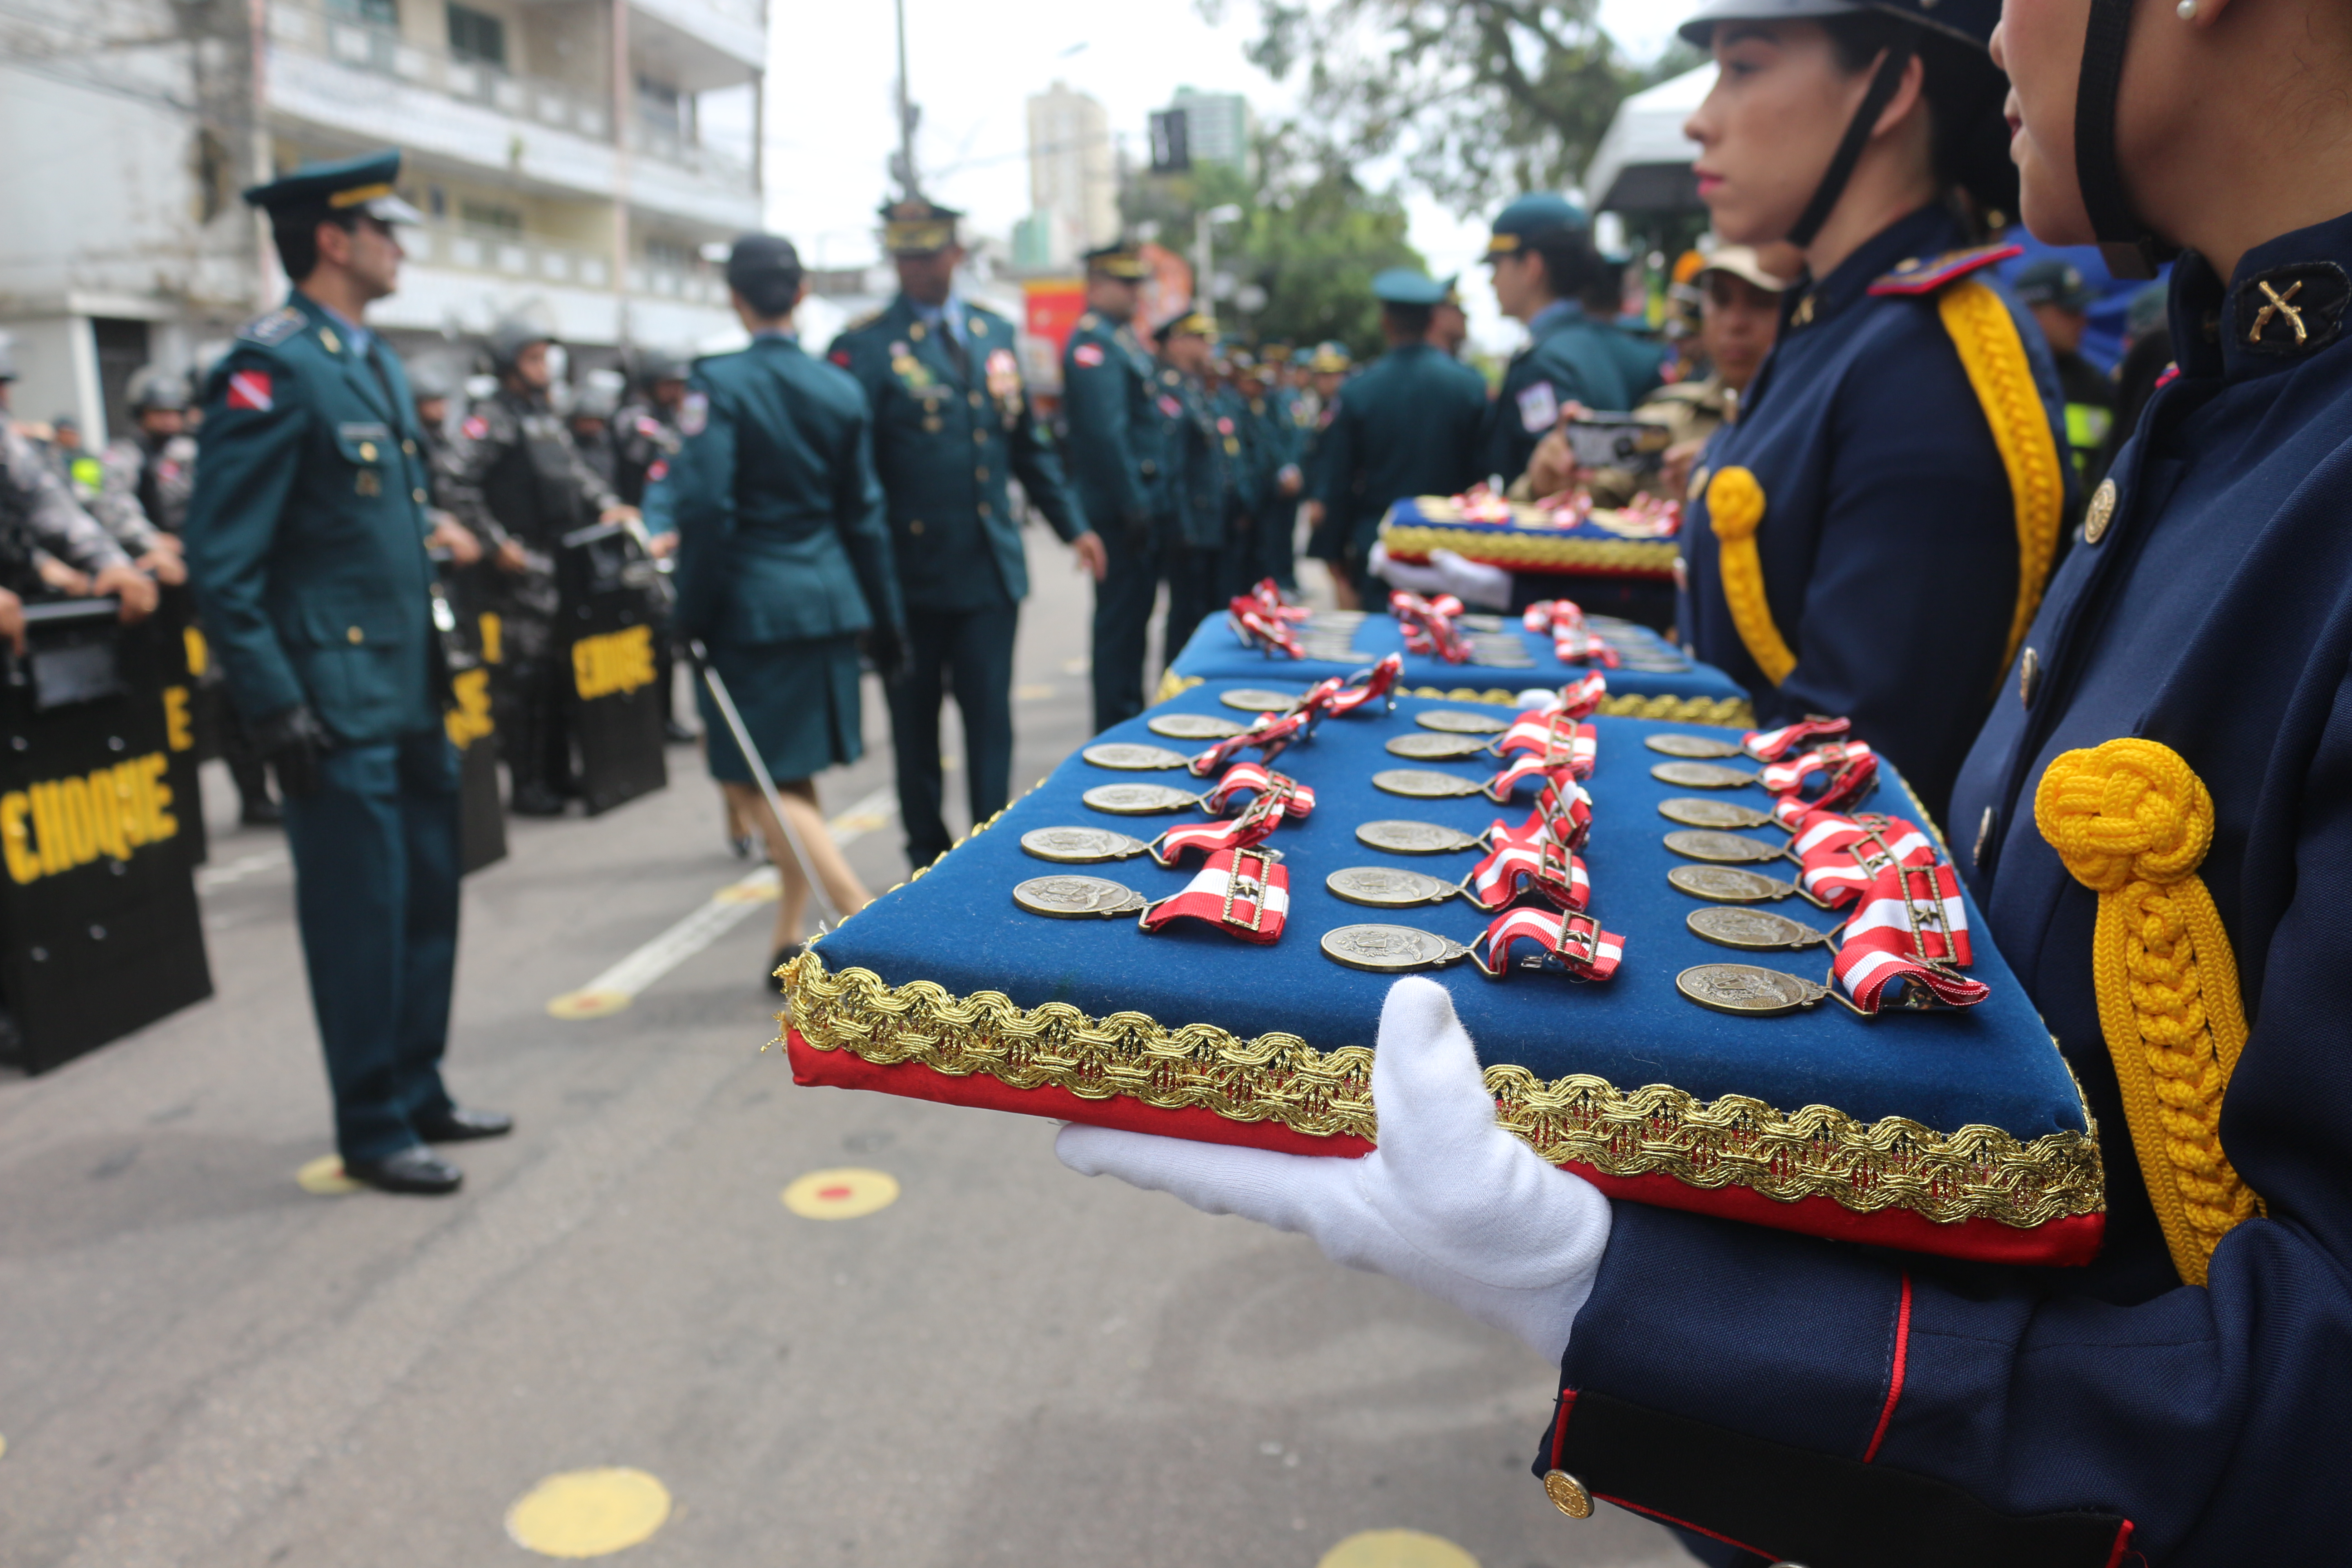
column 1473, row 582
column 1449, row 1203
column 1421, row 579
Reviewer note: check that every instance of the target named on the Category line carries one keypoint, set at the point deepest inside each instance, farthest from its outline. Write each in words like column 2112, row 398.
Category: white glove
column 1421, row 579
column 1473, row 582
column 1449, row 1203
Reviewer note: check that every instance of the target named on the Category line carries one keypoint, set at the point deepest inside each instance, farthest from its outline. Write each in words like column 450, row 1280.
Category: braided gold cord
column 2132, row 822
column 1731, row 712
column 1629, row 557
column 1994, row 358
column 1735, row 510
column 1976, row 1173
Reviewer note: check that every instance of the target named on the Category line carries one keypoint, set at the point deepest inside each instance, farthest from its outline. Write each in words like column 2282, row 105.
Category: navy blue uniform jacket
column 2212, row 612
column 945, row 443
column 1571, row 359
column 1889, row 539
column 780, row 530
column 305, row 531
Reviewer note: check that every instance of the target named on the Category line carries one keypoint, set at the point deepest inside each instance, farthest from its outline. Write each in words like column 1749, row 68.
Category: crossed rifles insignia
column 2279, row 306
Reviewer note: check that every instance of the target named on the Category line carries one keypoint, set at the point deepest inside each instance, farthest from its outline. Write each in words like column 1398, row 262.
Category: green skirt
column 799, row 703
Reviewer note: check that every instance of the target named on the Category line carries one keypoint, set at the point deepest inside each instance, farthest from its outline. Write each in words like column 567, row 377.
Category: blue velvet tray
column 1695, row 692
column 1960, row 1134
column 1414, row 526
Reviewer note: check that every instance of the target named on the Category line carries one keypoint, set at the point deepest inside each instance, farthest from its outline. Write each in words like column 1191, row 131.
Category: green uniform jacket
column 1118, row 435
column 1249, row 462
column 1406, row 426
column 1200, row 484
column 1641, row 361
column 1570, row 360
column 780, row 530
column 945, row 443
column 305, row 531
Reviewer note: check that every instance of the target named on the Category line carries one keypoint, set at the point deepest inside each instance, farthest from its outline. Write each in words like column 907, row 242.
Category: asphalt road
column 201, row 1362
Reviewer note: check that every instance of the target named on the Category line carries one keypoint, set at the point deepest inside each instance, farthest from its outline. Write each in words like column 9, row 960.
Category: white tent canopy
column 1643, row 163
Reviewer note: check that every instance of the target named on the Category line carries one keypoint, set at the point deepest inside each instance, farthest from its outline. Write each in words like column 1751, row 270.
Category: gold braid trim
column 1735, row 510
column 2132, row 822
column 1731, row 712
column 1977, row 1172
column 1535, row 552
column 1994, row 356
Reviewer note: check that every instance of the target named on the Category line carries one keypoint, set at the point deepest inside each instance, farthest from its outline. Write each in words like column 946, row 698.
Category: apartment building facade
column 570, row 157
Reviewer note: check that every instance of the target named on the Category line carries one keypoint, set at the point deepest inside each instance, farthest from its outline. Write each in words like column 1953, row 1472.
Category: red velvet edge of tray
column 2072, row 1240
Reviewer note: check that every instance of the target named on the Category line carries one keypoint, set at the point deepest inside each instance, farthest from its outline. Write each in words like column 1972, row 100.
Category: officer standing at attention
column 1407, row 426
column 951, row 424
column 1200, row 483
column 1543, row 261
column 519, row 483
column 1116, row 458
column 2061, row 299
column 306, row 542
column 783, row 567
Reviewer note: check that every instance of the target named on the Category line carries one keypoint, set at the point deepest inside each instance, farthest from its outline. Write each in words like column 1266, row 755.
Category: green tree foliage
column 1482, row 100
column 1309, row 238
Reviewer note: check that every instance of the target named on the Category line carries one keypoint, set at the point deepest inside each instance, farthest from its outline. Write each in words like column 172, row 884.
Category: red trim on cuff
column 2122, row 1540
column 1895, row 1373
column 1687, row 1524
column 1560, row 1425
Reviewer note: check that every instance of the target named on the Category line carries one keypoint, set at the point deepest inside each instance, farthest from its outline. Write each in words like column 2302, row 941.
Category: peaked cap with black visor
column 1991, row 181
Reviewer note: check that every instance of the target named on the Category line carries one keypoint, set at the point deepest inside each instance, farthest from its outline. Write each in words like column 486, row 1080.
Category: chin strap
column 2125, row 243
column 1857, row 135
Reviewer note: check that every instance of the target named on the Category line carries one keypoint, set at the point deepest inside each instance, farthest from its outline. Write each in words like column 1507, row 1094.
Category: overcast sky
column 974, row 67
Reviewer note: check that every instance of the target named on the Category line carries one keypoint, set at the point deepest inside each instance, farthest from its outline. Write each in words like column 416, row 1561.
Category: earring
column 2186, row 10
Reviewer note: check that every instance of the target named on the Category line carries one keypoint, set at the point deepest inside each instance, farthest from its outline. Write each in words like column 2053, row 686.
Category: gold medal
column 1459, row 721
column 1701, row 775
column 1694, row 811
column 1079, row 846
column 1721, row 848
column 1139, row 799
column 1673, row 744
column 1077, row 898
column 1425, row 783
column 1258, row 699
column 1745, row 989
column 1390, row 950
column 1129, row 757
column 1194, row 726
column 1755, row 930
column 1435, row 748
column 1413, row 837
column 1388, row 887
column 1728, row 885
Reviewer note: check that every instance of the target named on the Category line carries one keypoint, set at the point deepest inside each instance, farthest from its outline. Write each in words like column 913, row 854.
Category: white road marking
column 622, row 983
column 237, row 870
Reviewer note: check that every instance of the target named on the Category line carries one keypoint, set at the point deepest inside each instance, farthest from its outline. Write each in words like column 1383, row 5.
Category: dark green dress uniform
column 1201, row 496
column 782, row 556
column 1407, row 426
column 1569, row 357
column 305, row 544
column 1108, row 392
column 1249, row 484
column 951, row 424
column 1281, row 441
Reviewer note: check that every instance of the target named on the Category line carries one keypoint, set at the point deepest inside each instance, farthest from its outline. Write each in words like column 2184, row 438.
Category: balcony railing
column 503, row 253
column 666, row 146
column 364, row 47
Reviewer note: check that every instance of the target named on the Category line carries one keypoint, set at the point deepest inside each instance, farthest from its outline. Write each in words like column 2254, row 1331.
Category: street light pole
column 910, row 183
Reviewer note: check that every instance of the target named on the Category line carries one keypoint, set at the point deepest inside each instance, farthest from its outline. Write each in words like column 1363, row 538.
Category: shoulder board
column 864, row 322
column 1924, row 275
column 1089, row 322
column 272, row 326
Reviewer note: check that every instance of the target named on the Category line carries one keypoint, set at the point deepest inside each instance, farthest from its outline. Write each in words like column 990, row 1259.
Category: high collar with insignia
column 2286, row 302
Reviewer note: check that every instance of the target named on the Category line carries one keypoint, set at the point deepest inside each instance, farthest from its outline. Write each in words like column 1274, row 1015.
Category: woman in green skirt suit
column 783, row 565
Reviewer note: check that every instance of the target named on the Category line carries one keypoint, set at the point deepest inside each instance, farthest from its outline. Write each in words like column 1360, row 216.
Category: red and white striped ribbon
column 1572, row 642
column 1254, row 826
column 1912, row 929
column 1563, row 814
column 1243, row 892
column 1380, row 681
column 1848, row 771
column 1573, row 941
column 1580, row 699
column 1842, row 855
column 1266, row 598
column 1568, row 753
column 1270, row 734
column 1538, row 864
column 1429, row 625
column 1298, row 800
column 1258, row 629
column 1771, row 745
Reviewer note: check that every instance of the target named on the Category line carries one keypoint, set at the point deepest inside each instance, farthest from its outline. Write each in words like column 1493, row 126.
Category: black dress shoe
column 414, row 1168
column 535, row 800
column 459, row 1124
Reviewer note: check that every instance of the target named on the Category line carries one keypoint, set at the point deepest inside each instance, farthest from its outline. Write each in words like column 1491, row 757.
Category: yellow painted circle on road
column 1396, row 1549
column 848, row 1192
column 324, row 1176
column 573, row 1005
column 588, row 1513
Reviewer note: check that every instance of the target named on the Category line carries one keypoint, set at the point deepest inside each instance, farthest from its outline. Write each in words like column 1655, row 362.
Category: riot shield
column 99, row 932
column 608, row 623
column 471, row 722
column 181, row 658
